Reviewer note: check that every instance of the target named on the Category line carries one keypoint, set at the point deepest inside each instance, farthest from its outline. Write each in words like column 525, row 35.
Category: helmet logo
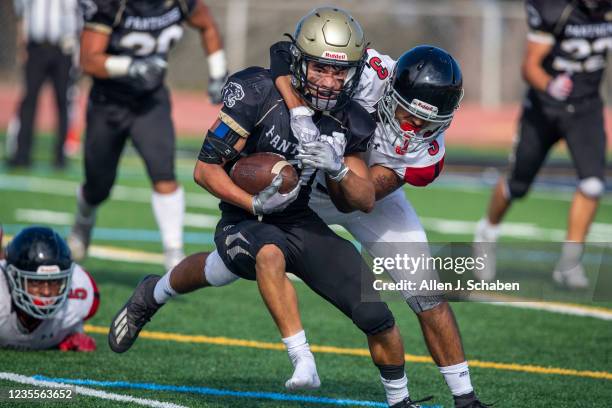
column 338, row 56
column 45, row 269
column 424, row 108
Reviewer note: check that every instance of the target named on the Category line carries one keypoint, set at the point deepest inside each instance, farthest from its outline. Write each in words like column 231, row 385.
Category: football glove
column 269, row 200
column 215, row 89
column 302, row 125
column 322, row 155
column 77, row 342
column 148, row 72
column 560, row 87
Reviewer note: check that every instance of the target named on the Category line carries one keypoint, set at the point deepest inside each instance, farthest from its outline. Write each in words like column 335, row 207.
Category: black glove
column 215, row 89
column 148, row 72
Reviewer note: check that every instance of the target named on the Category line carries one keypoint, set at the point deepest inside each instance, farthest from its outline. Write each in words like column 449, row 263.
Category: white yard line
column 90, row 392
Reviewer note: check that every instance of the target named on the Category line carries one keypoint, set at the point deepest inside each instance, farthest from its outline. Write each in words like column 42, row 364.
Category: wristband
column 117, row 66
column 301, row 111
column 217, row 64
column 341, row 174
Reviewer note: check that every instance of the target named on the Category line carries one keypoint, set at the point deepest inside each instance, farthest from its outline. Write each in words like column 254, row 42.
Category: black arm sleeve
column 280, row 59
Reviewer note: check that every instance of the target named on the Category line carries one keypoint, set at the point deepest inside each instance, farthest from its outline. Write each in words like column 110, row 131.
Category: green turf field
column 222, row 339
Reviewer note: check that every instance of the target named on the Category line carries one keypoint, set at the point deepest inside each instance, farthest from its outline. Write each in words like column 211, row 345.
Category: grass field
column 219, row 348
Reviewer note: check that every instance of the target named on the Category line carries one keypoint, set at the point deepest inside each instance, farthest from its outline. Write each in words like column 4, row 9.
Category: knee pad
column 373, row 317
column 420, row 304
column 592, row 187
column 215, row 271
column 517, row 189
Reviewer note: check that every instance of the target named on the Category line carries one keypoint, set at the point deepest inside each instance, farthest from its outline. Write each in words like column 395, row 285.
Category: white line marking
column 90, row 392
column 44, row 216
column 560, row 308
column 124, row 193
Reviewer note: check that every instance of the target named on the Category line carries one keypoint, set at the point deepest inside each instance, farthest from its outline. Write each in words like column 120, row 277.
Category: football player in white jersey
column 415, row 100
column 44, row 296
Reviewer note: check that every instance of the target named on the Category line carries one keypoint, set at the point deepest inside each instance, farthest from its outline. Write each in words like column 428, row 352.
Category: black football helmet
column 38, row 254
column 426, row 82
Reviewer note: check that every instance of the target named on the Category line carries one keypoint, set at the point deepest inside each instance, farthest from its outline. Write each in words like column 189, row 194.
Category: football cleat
column 133, row 316
column 573, row 278
column 408, row 403
column 469, row 401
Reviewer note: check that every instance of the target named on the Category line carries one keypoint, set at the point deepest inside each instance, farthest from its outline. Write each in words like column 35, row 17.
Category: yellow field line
column 226, row 341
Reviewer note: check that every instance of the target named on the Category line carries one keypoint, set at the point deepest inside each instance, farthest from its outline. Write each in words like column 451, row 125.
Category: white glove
column 337, row 140
column 269, row 200
column 323, row 156
column 560, row 87
column 302, row 125
column 149, row 71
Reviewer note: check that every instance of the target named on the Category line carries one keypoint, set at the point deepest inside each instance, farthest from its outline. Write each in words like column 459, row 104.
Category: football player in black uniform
column 260, row 237
column 566, row 54
column 124, row 47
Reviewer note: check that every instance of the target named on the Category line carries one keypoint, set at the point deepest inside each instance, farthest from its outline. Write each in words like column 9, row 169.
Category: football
column 255, row 172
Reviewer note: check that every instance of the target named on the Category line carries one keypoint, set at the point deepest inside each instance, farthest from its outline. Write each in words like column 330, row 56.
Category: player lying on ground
column 44, row 296
column 565, row 59
column 289, row 235
column 124, row 47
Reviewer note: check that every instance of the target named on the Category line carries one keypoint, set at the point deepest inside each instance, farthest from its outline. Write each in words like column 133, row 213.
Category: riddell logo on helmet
column 424, row 107
column 339, row 56
column 48, row 269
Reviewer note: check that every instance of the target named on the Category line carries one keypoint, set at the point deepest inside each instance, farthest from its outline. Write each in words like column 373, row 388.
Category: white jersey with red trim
column 82, row 304
column 377, row 71
column 418, row 168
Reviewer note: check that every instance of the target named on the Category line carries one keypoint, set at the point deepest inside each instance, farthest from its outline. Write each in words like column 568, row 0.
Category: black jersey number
column 145, row 44
column 586, row 56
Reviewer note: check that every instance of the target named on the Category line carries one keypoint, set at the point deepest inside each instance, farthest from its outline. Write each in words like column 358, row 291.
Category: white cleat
column 172, row 257
column 573, row 278
column 484, row 247
column 305, row 376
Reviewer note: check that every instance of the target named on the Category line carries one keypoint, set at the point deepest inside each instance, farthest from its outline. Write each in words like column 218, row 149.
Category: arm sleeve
column 240, row 106
column 280, row 59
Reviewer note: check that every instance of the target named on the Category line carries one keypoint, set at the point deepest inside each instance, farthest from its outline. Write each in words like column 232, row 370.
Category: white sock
column 86, row 213
column 305, row 374
column 457, row 378
column 487, row 232
column 163, row 291
column 396, row 390
column 571, row 255
column 169, row 211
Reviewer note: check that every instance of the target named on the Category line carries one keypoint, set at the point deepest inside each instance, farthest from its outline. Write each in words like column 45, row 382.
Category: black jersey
column 138, row 29
column 253, row 108
column 580, row 41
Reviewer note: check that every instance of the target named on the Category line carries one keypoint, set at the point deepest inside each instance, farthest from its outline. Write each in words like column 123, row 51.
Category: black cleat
column 408, row 403
column 132, row 317
column 469, row 401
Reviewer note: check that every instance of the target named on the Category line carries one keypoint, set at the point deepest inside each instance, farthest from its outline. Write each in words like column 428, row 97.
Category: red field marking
column 473, row 125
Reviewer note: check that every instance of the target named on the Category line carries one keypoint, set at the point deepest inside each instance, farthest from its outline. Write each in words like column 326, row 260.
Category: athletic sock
column 571, row 255
column 305, row 369
column 457, row 378
column 395, row 382
column 163, row 291
column 487, row 232
column 169, row 211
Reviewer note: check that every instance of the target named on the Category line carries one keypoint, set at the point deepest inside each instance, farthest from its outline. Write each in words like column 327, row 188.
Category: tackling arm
column 385, row 181
column 355, row 191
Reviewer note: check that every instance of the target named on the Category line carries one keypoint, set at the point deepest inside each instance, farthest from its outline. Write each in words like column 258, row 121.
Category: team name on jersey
column 588, row 30
column 281, row 145
column 153, row 23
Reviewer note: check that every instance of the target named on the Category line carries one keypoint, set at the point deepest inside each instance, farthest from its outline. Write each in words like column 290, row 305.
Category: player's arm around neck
column 385, row 181
column 355, row 191
column 532, row 69
column 215, row 180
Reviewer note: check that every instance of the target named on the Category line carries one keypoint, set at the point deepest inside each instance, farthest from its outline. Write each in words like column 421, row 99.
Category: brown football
column 255, row 172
